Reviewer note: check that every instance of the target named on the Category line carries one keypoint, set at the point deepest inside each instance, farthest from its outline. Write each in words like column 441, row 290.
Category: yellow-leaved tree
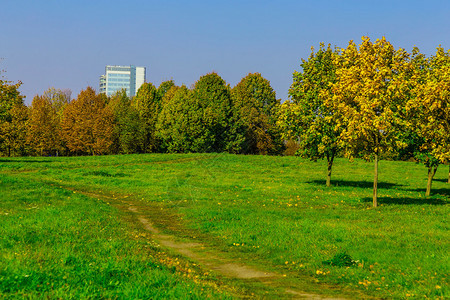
column 43, row 134
column 88, row 124
column 428, row 112
column 367, row 95
column 13, row 119
column 44, row 125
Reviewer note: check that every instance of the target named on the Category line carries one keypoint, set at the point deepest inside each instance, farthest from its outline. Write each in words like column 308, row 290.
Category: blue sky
column 66, row 44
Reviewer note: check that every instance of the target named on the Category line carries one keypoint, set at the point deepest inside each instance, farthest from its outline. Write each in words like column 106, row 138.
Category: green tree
column 178, row 123
column 126, row 124
column 211, row 98
column 254, row 119
column 147, row 105
column 368, row 95
column 163, row 88
column 309, row 118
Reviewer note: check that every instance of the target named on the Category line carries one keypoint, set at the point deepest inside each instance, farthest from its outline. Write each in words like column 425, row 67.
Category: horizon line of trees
column 370, row 101
column 208, row 117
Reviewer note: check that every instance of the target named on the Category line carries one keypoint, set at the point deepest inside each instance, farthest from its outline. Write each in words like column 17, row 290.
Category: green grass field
column 273, row 211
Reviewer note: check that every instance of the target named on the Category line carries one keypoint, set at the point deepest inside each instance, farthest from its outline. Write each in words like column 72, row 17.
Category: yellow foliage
column 370, row 86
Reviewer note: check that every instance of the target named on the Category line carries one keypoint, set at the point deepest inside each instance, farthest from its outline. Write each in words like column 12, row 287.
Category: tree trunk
column 448, row 175
column 431, row 173
column 330, row 159
column 375, row 181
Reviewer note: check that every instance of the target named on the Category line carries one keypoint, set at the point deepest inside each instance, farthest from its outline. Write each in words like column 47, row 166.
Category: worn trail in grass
column 268, row 283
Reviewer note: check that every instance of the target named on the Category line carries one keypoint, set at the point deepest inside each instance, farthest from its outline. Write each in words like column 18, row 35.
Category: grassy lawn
column 274, row 211
column 58, row 244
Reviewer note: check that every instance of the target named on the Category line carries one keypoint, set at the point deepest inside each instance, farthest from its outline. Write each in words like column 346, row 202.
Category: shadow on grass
column 444, row 191
column 105, row 174
column 359, row 184
column 441, row 180
column 407, row 201
column 24, row 161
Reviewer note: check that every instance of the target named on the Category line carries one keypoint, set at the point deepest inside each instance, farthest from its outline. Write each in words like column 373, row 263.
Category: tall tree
column 212, row 96
column 12, row 113
column 126, row 124
column 311, row 119
column 428, row 112
column 255, row 106
column 44, row 130
column 13, row 132
column 368, row 94
column 179, row 122
column 43, row 127
column 88, row 124
column 147, row 105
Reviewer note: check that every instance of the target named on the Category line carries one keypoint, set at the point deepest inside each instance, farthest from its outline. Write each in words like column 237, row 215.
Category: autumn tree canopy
column 367, row 96
column 13, row 119
column 43, row 127
column 428, row 111
column 87, row 124
column 58, row 98
column 13, row 132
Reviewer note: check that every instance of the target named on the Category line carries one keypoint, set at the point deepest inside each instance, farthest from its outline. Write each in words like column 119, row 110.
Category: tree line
column 369, row 100
column 208, row 117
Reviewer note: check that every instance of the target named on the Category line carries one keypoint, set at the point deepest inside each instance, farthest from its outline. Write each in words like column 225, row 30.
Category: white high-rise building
column 116, row 78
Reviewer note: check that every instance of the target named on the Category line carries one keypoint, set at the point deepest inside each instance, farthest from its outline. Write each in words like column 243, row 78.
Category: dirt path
column 211, row 258
column 192, row 249
column 216, row 261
